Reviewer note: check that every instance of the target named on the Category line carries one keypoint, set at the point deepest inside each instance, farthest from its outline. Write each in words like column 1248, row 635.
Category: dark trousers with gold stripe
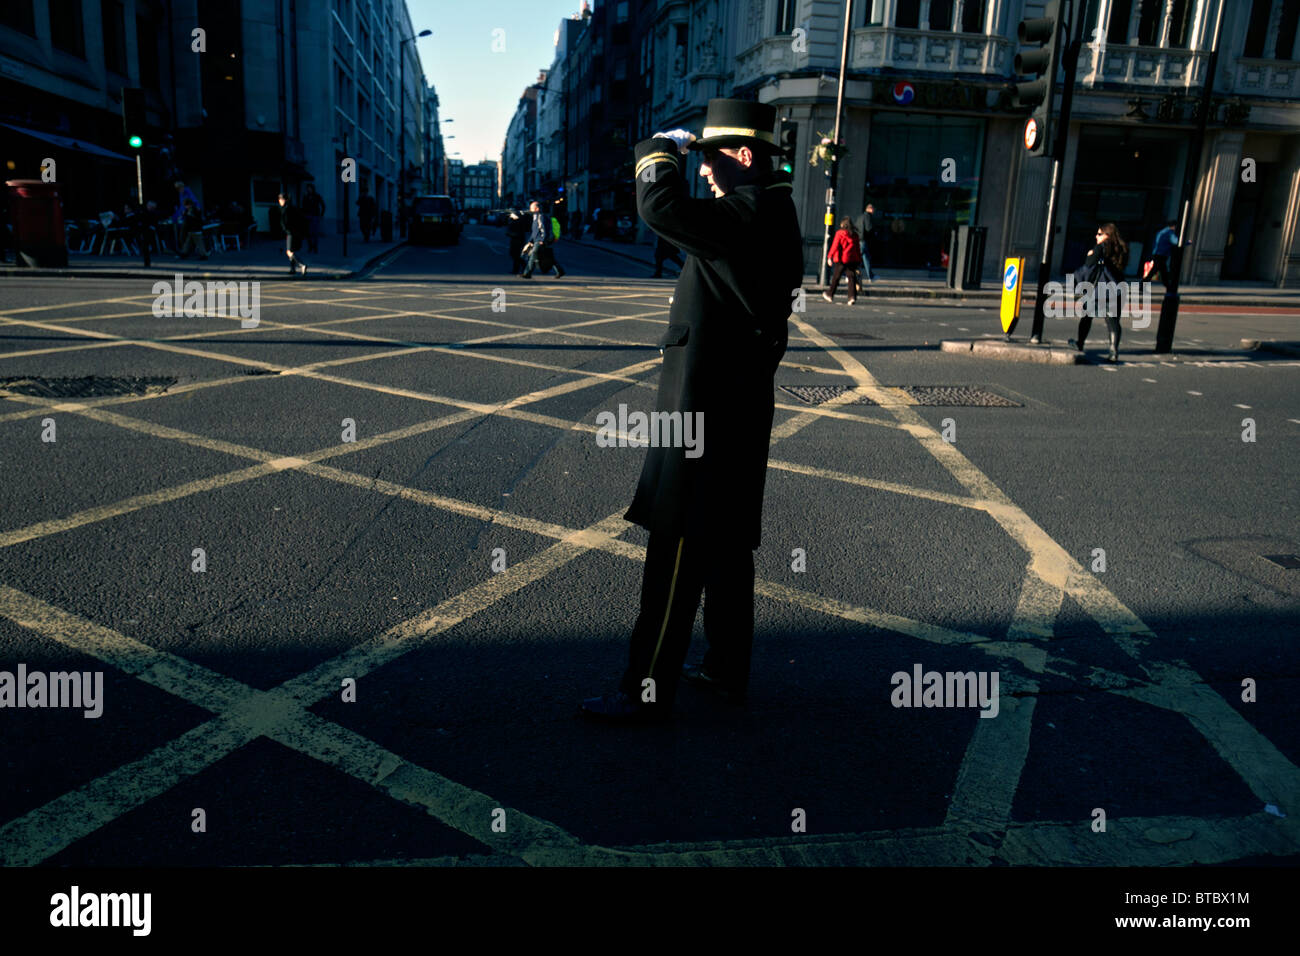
column 677, row 570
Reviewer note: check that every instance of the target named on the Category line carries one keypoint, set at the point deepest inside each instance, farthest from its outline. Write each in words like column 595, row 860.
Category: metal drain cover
column 821, row 394
column 966, row 396
column 960, row 395
column 1289, row 561
column 850, row 335
column 88, row 386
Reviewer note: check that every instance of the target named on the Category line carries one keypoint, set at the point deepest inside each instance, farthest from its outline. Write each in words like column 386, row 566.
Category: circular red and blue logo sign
column 904, row 93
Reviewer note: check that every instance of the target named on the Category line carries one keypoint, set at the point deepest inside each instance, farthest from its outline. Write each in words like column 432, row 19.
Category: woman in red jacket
column 846, row 258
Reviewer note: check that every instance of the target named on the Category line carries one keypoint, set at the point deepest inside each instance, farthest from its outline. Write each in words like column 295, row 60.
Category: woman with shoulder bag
column 1105, row 263
column 845, row 257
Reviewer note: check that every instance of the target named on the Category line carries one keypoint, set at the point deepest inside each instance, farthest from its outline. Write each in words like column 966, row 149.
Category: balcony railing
column 939, row 51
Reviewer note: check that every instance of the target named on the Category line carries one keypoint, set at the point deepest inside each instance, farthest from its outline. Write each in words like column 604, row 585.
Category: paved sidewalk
column 263, row 259
column 930, row 284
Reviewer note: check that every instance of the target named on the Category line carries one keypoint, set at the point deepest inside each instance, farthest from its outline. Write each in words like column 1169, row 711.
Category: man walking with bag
column 542, row 239
column 294, row 225
column 726, row 335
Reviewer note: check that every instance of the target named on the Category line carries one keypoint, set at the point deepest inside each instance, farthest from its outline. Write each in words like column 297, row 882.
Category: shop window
column 917, row 203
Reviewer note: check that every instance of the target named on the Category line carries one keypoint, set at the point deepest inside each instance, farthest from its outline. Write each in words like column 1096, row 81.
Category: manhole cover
column 950, row 395
column 1289, row 561
column 821, row 394
column 963, row 395
column 88, row 386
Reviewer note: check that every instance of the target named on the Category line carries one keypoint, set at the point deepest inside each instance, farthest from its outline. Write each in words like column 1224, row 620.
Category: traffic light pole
column 1061, row 134
column 139, row 182
column 1169, row 304
column 833, row 167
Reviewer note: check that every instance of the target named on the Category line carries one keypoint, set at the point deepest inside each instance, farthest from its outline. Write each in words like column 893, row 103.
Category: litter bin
column 966, row 256
column 386, row 225
column 37, row 219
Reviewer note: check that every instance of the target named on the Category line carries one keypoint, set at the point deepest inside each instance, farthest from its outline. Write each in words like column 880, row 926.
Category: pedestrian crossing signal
column 133, row 121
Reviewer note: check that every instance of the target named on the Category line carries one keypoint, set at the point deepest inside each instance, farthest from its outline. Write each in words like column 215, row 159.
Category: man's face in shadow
column 725, row 169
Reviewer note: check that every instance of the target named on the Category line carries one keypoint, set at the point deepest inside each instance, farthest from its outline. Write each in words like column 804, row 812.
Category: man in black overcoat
column 726, row 335
column 294, row 225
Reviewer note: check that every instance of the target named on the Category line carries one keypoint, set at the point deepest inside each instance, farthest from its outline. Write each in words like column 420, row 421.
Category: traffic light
column 1041, row 62
column 789, row 141
column 133, row 121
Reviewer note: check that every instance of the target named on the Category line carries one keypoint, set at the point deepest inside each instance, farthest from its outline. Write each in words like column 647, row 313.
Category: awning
column 68, row 143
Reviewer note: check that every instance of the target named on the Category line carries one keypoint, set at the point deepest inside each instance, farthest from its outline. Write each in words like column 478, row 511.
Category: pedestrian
column 191, row 232
column 294, row 224
column 517, row 228
column 313, row 207
column 1104, row 264
column 542, row 236
column 366, row 213
column 864, row 224
column 183, row 193
column 845, row 258
column 143, row 226
column 1166, row 239
column 727, row 331
column 665, row 251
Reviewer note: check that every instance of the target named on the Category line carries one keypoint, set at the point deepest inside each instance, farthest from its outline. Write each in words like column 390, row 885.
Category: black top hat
column 731, row 123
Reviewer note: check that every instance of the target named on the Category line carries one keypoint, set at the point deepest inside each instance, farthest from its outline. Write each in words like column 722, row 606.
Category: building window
column 1117, row 28
column 66, row 31
column 1149, row 24
column 907, row 15
column 146, row 45
column 17, row 15
column 940, row 14
column 1180, row 23
column 972, row 17
column 1257, row 28
column 113, row 18
column 1286, row 29
column 785, row 16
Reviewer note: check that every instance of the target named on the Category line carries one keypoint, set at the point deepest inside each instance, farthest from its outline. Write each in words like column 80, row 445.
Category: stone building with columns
column 934, row 141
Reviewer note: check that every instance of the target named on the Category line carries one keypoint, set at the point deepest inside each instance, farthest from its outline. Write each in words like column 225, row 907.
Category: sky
column 478, row 88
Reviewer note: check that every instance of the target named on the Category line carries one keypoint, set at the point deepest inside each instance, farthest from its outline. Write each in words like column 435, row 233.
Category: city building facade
column 276, row 88
column 931, row 133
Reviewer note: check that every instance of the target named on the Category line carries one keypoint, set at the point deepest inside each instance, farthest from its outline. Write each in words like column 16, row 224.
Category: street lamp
column 401, row 133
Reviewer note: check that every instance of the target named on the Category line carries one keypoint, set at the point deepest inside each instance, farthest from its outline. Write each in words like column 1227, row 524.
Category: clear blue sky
column 477, row 88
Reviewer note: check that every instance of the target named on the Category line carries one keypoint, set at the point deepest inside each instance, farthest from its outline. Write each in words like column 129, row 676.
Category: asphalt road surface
column 347, row 574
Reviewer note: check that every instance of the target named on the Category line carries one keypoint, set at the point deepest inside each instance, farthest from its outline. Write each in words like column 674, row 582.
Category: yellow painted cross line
column 1052, row 569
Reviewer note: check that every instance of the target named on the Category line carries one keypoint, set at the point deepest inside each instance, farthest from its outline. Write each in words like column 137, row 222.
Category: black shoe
column 559, row 273
column 620, row 709
column 1075, row 345
column 525, row 275
column 699, row 677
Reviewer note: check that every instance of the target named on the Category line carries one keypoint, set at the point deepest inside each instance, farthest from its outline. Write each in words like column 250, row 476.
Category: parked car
column 434, row 219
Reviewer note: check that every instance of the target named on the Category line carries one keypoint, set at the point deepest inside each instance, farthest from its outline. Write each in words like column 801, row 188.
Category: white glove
column 681, row 137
